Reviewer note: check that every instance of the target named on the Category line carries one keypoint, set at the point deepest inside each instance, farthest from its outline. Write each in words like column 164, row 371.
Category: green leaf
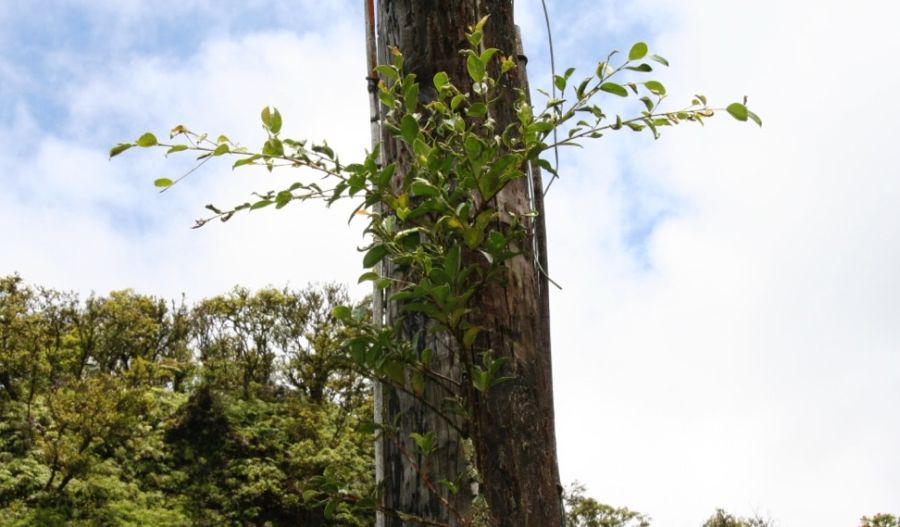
column 560, row 82
column 473, row 237
column 261, row 204
column 118, row 149
column 449, row 485
column 421, row 148
column 273, row 147
column 615, row 89
column 309, row 494
column 374, row 255
column 473, row 147
column 163, row 182
column 425, row 442
column 479, row 379
column 371, row 275
column 496, row 242
column 659, row 59
column 409, row 128
column 579, row 91
column 487, row 55
column 388, row 71
column 283, row 198
column 541, row 126
column 738, row 111
column 384, row 177
column 475, row 68
column 324, row 149
column 422, row 188
column 470, row 335
column 329, row 508
column 220, row 150
column 655, row 87
column 146, row 140
column 271, row 119
column 602, row 70
column 475, row 37
column 386, row 98
column 176, row 148
column 452, row 261
column 245, row 161
column 440, row 80
column 395, row 371
column 457, row 99
column 477, row 109
column 411, row 96
column 643, row 68
column 638, row 51
column 755, row 118
column 418, row 382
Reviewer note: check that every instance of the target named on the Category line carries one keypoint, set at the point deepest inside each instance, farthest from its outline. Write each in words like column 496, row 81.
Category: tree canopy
column 129, row 410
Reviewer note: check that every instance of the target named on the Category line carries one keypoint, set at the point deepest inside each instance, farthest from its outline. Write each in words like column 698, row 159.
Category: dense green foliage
column 127, row 410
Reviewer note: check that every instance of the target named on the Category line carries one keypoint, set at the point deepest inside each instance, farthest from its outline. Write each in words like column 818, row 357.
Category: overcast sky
column 728, row 334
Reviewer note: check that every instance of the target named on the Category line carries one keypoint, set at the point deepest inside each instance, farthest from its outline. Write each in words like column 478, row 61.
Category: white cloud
column 104, row 220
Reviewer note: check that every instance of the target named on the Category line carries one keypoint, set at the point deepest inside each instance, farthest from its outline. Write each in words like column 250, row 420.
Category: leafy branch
column 438, row 220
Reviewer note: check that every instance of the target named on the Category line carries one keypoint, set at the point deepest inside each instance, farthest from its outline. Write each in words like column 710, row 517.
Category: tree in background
column 880, row 520
column 120, row 410
column 724, row 519
column 583, row 511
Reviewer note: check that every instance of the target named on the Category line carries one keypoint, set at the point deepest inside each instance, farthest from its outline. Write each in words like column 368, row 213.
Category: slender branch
column 585, row 133
column 387, row 380
column 188, row 173
column 440, row 376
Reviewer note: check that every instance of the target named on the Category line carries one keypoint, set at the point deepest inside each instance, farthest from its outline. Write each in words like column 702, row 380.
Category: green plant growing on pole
column 439, row 223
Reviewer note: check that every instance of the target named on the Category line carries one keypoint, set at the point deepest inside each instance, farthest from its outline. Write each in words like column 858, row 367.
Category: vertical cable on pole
column 553, row 93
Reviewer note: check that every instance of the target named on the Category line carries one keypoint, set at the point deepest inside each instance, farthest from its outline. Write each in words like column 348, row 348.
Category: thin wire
column 562, row 503
column 553, row 92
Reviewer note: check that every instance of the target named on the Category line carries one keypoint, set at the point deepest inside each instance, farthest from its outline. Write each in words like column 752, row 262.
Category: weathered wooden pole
column 511, row 437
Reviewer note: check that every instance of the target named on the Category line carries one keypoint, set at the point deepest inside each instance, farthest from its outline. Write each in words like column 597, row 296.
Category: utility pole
column 511, row 433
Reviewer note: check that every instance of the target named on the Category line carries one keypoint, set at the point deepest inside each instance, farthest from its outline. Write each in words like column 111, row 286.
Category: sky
column 728, row 332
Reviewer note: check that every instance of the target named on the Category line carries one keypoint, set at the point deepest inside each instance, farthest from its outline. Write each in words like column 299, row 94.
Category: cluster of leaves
column 128, row 410
column 438, row 217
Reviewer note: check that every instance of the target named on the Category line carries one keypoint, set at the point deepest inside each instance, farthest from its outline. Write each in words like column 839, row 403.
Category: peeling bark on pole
column 513, row 428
